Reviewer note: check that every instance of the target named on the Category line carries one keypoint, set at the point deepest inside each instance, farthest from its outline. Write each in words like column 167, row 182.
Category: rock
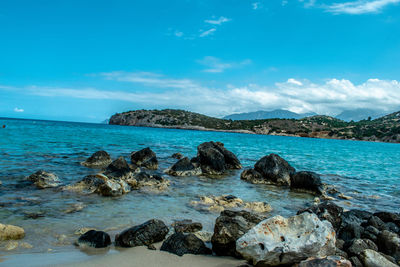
column 229, row 227
column 392, row 227
column 389, row 243
column 356, row 262
column 145, row 158
column 83, row 230
column 144, row 234
column 220, row 203
column 184, row 167
column 306, row 181
column 339, row 243
column 371, row 233
column 89, row 184
column 341, row 253
column 375, row 222
column 330, row 261
column 278, row 240
column 113, row 188
column 187, row 226
column 120, row 169
column 389, row 217
column 350, row 231
column 180, row 244
column 204, row 236
column 215, row 159
column 275, row 169
column 10, row 232
column 252, row 176
column 355, row 216
column 43, row 179
column 145, row 180
column 11, row 245
column 371, row 258
column 95, row 239
column 98, row 159
column 327, row 211
column 177, row 155
column 359, row 245
column 75, row 208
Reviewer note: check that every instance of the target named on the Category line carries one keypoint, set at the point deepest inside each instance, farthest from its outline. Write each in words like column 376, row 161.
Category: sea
column 368, row 172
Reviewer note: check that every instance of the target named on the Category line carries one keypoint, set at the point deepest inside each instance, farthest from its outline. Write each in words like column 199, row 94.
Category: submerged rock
column 278, row 240
column 307, row 181
column 229, row 227
column 181, row 244
column 10, row 232
column 330, row 261
column 371, row 258
column 184, row 167
column 144, row 234
column 187, row 226
column 220, row 203
column 98, row 159
column 43, row 179
column 95, row 239
column 215, row 159
column 145, row 158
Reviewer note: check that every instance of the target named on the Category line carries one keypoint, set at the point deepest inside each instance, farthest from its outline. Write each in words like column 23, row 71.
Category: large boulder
column 359, row 245
column 388, row 217
column 389, row 243
column 229, row 227
column 89, row 184
column 120, row 169
column 10, row 232
column 215, row 159
column 145, row 158
column 252, row 176
column 43, row 179
column 180, row 244
column 307, row 181
column 95, row 239
column 144, row 234
column 113, row 188
column 278, row 240
column 143, row 180
column 330, row 261
column 371, row 258
column 184, row 167
column 98, row 159
column 327, row 211
column 187, row 226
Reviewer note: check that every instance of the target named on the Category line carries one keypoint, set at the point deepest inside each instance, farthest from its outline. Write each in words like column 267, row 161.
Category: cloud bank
column 360, row 6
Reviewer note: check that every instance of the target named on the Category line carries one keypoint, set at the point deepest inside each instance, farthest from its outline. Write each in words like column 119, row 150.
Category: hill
column 384, row 129
column 359, row 114
column 274, row 114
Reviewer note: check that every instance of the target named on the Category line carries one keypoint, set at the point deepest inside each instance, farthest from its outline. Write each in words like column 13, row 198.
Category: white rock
column 280, row 240
column 371, row 258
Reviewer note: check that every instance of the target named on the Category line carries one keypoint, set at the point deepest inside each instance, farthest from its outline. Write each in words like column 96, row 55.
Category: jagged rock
column 356, row 262
column 113, row 188
column 145, row 158
column 229, row 227
column 371, row 233
column 330, row 261
column 180, row 244
column 307, row 181
column 204, row 235
column 392, row 227
column 278, row 240
column 371, row 258
column 98, row 159
column 120, row 169
column 339, row 243
column 187, row 226
column 359, row 245
column 220, row 203
column 10, row 232
column 144, row 180
column 375, row 222
column 327, row 211
column 144, row 234
column 389, row 217
column 252, row 176
column 341, row 253
column 389, row 243
column 215, row 159
column 43, row 179
column 350, row 231
column 184, row 167
column 95, row 239
column 177, row 155
column 89, row 184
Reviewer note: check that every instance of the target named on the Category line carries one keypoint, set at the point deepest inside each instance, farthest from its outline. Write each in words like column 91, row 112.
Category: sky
column 87, row 60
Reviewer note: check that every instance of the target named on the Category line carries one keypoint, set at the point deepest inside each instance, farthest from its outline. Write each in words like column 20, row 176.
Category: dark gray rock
column 119, row 169
column 371, row 233
column 350, row 231
column 95, row 239
column 145, row 158
column 359, row 245
column 184, row 167
column 177, row 155
column 180, row 244
column 375, row 222
column 275, row 169
column 307, row 181
column 389, row 217
column 356, row 262
column 230, row 226
column 392, row 227
column 371, row 258
column 330, row 261
column 252, row 176
column 389, row 243
column 327, row 211
column 187, row 226
column 113, row 188
column 42, row 179
column 98, row 159
column 144, row 234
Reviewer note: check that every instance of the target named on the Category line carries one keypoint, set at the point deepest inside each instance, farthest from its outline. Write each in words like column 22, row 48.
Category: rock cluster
column 98, row 159
column 42, row 179
column 145, row 158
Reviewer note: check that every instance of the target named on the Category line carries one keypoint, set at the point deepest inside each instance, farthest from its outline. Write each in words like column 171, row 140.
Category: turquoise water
column 368, row 172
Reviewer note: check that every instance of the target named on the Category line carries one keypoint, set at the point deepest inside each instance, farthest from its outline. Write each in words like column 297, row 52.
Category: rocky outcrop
column 187, row 226
column 330, row 261
column 144, row 234
column 229, row 227
column 215, row 159
column 99, row 159
column 278, row 240
column 43, row 179
column 371, row 258
column 95, row 239
column 220, row 203
column 180, row 244
column 184, row 167
column 307, row 182
column 145, row 158
column 11, row 232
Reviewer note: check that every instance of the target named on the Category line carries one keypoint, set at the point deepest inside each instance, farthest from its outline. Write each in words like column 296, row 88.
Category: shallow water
column 369, row 172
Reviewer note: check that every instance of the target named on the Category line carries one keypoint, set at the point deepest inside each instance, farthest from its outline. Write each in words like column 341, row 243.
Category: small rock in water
column 43, row 179
column 145, row 158
column 184, row 167
column 306, row 181
column 177, row 155
column 98, row 159
column 9, row 232
column 75, row 208
column 343, row 196
column 95, row 239
column 83, row 230
column 180, row 244
column 187, row 226
column 11, row 245
column 275, row 169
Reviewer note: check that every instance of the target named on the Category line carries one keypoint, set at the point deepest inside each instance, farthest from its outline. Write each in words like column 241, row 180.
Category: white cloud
column 215, row 65
column 294, row 81
column 218, row 21
column 178, row 33
column 256, row 5
column 19, row 110
column 359, row 6
column 208, row 32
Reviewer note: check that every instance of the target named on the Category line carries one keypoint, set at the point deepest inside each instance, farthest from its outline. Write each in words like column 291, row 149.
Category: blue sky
column 86, row 60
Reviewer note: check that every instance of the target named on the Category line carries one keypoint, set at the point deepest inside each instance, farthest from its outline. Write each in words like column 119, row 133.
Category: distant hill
column 273, row 114
column 360, row 114
column 384, row 129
